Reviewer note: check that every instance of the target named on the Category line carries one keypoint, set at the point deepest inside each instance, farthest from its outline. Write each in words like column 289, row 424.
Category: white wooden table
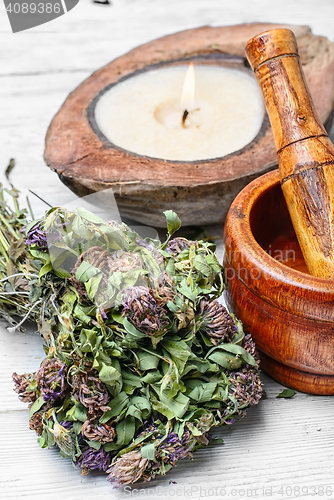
column 283, row 448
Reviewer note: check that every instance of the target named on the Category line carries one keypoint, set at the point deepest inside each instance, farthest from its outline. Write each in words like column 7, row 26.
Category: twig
column 18, row 274
column 39, row 197
column 12, row 329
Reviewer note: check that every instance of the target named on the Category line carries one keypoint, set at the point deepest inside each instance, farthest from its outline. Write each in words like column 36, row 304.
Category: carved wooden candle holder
column 289, row 312
column 199, row 191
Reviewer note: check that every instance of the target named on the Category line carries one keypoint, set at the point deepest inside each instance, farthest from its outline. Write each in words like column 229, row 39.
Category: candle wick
column 184, row 117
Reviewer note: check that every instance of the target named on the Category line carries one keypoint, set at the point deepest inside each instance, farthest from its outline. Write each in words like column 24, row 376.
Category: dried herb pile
column 141, row 359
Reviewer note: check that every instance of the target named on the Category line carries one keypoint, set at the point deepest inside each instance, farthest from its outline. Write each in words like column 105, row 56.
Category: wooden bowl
column 199, row 191
column 289, row 313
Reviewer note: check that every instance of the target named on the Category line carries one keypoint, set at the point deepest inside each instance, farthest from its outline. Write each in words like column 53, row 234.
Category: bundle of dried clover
column 141, row 359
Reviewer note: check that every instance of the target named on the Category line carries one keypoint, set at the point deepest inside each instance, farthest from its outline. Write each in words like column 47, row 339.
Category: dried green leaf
column 109, row 375
column 148, row 451
column 174, row 407
column 143, row 404
column 173, row 222
column 217, row 441
column 201, row 265
column 151, row 377
column 237, row 349
column 286, row 393
column 213, row 262
column 226, row 360
column 37, row 405
column 93, row 287
column 187, row 290
column 134, row 412
column 86, row 271
column 9, row 168
column 125, row 430
column 203, row 392
column 45, row 269
column 116, row 406
column 179, row 352
column 216, row 355
column 80, row 413
column 134, row 333
column 147, row 361
column 96, row 445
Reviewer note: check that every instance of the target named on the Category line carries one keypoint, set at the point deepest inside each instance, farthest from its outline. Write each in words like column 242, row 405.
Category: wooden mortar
column 199, row 191
column 289, row 313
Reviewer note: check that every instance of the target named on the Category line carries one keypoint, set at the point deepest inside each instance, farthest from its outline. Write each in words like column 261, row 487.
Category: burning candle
column 159, row 113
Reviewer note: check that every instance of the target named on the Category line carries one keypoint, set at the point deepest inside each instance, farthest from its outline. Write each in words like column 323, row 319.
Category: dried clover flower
column 119, row 261
column 91, row 459
column 132, row 467
column 177, row 245
column 36, row 236
column 51, row 379
column 173, row 448
column 128, row 469
column 249, row 344
column 124, row 261
column 246, row 387
column 91, row 392
column 36, row 423
column 63, row 439
column 144, row 308
column 94, row 432
column 22, row 382
column 215, row 322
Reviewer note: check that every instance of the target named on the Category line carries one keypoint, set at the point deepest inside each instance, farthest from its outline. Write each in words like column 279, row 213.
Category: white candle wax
column 143, row 114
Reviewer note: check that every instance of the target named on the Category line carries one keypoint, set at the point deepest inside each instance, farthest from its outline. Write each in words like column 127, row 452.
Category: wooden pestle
column 305, row 152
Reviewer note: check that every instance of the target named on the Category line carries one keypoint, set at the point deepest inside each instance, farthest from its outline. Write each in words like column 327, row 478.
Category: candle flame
column 188, row 91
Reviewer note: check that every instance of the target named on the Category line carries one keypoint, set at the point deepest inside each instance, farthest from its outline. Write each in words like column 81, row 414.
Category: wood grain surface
column 283, row 449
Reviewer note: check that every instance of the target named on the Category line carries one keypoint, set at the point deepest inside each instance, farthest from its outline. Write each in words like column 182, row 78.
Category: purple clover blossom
column 36, row 236
column 67, row 424
column 176, row 449
column 91, row 392
column 177, row 245
column 249, row 345
column 173, row 448
column 51, row 379
column 246, row 387
column 92, row 459
column 215, row 322
column 22, row 382
column 132, row 467
column 103, row 313
column 144, row 308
